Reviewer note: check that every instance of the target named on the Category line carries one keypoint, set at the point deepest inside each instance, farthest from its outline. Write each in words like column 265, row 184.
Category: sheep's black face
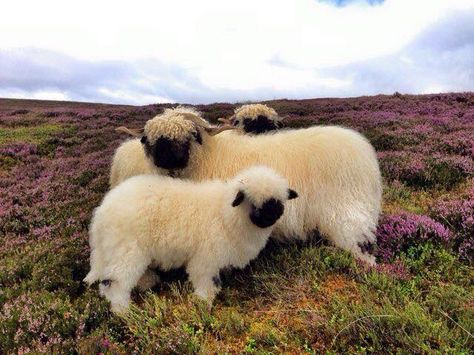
column 268, row 214
column 167, row 153
column 259, row 125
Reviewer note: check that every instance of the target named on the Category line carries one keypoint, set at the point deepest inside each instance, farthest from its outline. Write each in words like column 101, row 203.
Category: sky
column 153, row 51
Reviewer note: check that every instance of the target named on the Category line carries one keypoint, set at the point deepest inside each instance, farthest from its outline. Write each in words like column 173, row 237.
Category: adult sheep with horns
column 334, row 169
column 163, row 146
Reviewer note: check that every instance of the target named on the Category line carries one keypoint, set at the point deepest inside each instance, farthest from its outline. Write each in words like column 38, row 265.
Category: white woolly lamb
column 335, row 170
column 170, row 223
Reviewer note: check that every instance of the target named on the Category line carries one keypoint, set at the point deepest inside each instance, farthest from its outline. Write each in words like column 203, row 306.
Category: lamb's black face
column 167, row 153
column 268, row 214
column 259, row 125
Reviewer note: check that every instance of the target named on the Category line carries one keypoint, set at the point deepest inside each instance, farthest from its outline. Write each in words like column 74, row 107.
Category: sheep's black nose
column 168, row 153
column 268, row 214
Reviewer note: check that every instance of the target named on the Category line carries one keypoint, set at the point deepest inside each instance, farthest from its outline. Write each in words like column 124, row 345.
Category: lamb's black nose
column 268, row 214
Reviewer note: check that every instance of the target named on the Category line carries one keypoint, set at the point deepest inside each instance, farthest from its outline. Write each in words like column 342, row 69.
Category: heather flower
column 18, row 150
column 422, row 170
column 459, row 216
column 48, row 191
column 397, row 233
column 404, row 166
column 106, row 343
column 459, row 142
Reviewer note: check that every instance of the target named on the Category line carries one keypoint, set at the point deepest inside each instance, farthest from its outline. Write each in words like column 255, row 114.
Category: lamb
column 335, row 170
column 208, row 226
column 254, row 119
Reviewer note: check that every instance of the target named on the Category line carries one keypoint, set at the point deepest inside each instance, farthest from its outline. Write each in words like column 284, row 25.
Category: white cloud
column 175, row 50
column 36, row 95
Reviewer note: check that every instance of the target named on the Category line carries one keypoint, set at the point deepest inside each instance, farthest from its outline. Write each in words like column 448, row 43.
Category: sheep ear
column 238, row 199
column 197, row 136
column 292, row 194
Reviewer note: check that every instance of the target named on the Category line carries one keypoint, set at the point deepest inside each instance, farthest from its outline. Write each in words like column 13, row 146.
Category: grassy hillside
column 308, row 298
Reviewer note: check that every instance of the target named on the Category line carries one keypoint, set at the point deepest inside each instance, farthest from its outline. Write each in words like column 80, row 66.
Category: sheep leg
column 148, row 280
column 117, row 294
column 205, row 288
column 360, row 247
column 361, row 252
column 124, row 276
column 357, row 237
column 206, row 284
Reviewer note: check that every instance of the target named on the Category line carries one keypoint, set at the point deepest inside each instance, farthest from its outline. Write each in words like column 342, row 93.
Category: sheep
column 254, row 119
column 334, row 168
column 169, row 223
column 170, row 133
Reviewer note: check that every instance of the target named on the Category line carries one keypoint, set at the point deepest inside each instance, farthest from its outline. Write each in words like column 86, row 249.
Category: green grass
column 296, row 299
column 43, row 137
column 307, row 299
column 28, row 134
column 310, row 298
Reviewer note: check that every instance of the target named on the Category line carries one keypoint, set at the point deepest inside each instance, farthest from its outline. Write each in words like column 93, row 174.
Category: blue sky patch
column 342, row 3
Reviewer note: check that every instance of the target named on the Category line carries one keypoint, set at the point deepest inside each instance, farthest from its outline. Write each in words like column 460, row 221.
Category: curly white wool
column 254, row 110
column 172, row 123
column 170, row 223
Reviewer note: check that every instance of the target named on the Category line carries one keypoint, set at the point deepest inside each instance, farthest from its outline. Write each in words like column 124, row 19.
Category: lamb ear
column 238, row 199
column 292, row 194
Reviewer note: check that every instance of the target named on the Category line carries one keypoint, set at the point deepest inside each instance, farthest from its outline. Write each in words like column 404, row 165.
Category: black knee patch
column 259, row 125
column 168, row 153
column 367, row 247
column 217, row 281
column 268, row 214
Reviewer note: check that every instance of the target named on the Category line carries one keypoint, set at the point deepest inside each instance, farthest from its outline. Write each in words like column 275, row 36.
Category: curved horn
column 136, row 132
column 224, row 120
column 212, row 131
